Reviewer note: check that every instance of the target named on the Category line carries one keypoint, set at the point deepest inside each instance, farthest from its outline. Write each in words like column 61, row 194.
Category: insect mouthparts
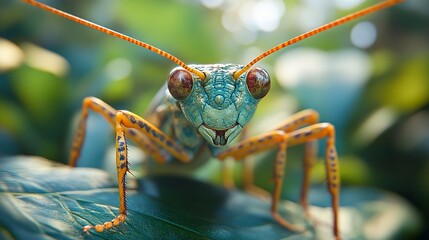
column 220, row 137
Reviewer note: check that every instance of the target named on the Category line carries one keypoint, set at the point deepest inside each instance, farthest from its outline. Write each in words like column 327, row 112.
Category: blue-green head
column 218, row 106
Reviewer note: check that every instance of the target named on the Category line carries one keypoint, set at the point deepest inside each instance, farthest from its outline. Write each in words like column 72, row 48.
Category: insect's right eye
column 180, row 83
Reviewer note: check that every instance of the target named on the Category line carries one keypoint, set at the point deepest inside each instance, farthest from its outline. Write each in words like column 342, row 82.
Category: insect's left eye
column 180, row 83
column 258, row 82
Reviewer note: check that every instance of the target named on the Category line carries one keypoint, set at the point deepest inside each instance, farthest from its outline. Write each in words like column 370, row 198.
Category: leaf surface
column 44, row 200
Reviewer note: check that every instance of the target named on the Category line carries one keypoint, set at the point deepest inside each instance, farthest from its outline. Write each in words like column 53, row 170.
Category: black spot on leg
column 154, row 133
column 169, row 143
column 122, row 157
column 132, row 119
column 123, row 165
column 141, row 124
column 145, row 126
column 308, row 133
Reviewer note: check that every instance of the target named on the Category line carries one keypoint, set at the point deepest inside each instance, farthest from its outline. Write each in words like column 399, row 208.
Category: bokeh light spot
column 43, row 59
column 118, row 68
column 262, row 15
column 363, row 35
column 11, row 55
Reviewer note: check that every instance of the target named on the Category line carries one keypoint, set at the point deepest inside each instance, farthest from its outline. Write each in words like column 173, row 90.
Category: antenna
column 118, row 35
column 315, row 31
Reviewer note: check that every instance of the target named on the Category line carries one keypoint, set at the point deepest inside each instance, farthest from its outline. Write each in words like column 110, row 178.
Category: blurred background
column 370, row 77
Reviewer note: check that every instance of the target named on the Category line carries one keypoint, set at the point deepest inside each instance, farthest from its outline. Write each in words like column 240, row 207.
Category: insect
column 208, row 106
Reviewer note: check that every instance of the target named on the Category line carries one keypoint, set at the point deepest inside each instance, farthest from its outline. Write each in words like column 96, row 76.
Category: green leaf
column 43, row 200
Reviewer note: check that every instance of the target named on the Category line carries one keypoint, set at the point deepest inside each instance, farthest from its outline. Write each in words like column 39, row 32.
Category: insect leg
column 248, row 179
column 122, row 169
column 248, row 172
column 282, row 139
column 321, row 131
column 98, row 106
column 296, row 121
column 263, row 142
column 310, row 154
column 129, row 124
column 228, row 171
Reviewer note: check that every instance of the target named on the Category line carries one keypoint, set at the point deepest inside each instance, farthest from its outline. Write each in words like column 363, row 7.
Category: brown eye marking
column 180, row 83
column 258, row 82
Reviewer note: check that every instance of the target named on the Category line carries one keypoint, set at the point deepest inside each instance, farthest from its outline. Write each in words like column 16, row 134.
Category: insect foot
column 107, row 225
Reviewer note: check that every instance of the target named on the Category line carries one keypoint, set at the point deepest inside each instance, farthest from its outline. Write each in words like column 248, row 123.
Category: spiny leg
column 281, row 140
column 122, row 169
column 129, row 125
column 125, row 122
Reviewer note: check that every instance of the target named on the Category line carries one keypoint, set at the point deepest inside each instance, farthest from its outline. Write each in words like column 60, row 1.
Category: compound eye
column 180, row 83
column 258, row 82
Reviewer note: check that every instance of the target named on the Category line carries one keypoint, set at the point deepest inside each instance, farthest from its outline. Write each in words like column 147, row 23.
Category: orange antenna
column 315, row 31
column 118, row 35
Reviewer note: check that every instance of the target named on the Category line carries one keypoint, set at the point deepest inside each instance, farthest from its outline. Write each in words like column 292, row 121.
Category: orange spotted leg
column 109, row 113
column 281, row 139
column 296, row 121
column 127, row 125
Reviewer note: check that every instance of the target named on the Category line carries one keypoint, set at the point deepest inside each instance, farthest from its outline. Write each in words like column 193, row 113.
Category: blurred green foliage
column 48, row 65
